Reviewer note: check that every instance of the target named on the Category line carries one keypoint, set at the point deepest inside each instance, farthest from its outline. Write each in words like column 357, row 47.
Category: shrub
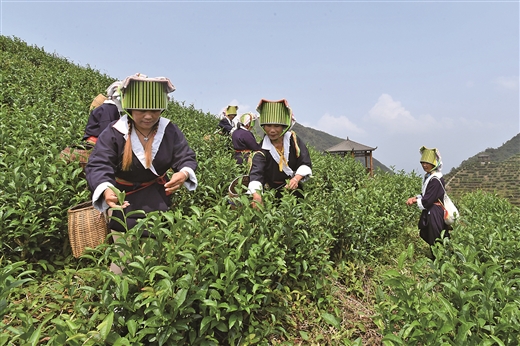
column 469, row 293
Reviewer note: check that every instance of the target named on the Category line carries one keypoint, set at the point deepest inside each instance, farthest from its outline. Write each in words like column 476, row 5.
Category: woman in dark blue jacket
column 283, row 161
column 431, row 223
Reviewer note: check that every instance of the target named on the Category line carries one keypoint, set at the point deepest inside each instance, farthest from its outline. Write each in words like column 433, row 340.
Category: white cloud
column 476, row 124
column 394, row 118
column 510, row 83
column 337, row 126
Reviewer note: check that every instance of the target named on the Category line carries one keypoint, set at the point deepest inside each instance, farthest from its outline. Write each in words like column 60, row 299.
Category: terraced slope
column 501, row 178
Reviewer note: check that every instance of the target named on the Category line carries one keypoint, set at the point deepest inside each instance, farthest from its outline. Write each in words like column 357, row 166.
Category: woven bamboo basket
column 97, row 101
column 243, row 180
column 76, row 154
column 87, row 228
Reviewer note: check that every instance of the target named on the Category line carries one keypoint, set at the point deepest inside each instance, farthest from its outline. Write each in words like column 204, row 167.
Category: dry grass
column 306, row 325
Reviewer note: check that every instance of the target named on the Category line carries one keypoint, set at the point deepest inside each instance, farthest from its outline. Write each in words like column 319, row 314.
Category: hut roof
column 349, row 145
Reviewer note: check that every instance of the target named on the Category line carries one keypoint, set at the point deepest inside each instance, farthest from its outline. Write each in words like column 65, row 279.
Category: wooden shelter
column 484, row 158
column 356, row 150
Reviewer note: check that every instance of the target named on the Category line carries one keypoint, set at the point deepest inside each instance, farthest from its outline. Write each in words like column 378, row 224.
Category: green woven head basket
column 143, row 93
column 275, row 113
column 248, row 119
column 231, row 110
column 428, row 155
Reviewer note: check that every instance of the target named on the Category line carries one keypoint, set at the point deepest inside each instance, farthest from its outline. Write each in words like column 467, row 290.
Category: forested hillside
column 502, row 153
column 342, row 266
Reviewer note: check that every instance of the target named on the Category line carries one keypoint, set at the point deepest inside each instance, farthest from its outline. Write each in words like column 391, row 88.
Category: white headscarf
column 114, row 95
column 244, row 120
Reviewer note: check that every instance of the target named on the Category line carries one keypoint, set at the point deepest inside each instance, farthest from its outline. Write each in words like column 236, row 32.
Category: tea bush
column 219, row 271
column 42, row 113
column 469, row 294
column 210, row 278
column 365, row 215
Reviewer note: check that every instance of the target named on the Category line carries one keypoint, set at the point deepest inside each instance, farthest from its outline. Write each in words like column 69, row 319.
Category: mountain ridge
column 499, row 154
column 318, row 139
column 321, row 141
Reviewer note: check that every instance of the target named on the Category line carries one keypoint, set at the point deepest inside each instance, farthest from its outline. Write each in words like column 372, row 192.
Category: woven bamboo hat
column 431, row 156
column 248, row 119
column 275, row 113
column 231, row 110
column 143, row 93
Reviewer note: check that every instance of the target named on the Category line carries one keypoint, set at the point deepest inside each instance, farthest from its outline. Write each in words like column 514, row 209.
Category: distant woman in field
column 225, row 124
column 244, row 142
column 283, row 161
column 431, row 223
column 136, row 152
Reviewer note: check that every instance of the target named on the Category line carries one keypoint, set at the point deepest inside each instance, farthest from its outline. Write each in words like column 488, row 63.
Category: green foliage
column 218, row 273
column 365, row 215
column 12, row 276
column 40, row 104
column 469, row 294
column 293, row 271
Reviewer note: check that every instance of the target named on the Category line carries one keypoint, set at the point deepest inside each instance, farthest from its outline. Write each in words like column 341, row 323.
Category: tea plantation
column 502, row 178
column 344, row 266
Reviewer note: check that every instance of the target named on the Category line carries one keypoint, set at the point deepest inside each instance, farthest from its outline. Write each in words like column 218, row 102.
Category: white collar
column 122, row 126
column 267, row 145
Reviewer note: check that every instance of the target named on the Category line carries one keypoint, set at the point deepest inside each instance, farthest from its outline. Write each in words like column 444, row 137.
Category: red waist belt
column 92, row 140
column 444, row 209
column 159, row 180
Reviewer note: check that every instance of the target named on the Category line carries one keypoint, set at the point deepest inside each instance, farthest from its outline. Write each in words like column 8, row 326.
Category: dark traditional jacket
column 243, row 142
column 431, row 221
column 99, row 119
column 170, row 150
column 225, row 125
column 265, row 163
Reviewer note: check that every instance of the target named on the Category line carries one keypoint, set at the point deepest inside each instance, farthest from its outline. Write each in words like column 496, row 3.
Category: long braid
column 127, row 153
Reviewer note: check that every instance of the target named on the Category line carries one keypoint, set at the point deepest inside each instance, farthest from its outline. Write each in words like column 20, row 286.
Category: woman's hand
column 176, row 181
column 257, row 199
column 111, row 199
column 411, row 201
column 293, row 183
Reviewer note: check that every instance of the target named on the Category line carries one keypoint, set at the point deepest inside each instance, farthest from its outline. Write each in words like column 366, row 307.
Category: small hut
column 356, row 150
column 484, row 158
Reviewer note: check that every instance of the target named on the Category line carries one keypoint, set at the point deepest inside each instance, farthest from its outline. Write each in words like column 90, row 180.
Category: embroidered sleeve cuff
column 191, row 183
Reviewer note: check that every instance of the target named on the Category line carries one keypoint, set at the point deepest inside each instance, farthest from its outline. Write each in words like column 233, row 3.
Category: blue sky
column 394, row 75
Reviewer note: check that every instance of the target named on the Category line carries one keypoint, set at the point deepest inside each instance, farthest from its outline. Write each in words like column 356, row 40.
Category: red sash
column 159, row 180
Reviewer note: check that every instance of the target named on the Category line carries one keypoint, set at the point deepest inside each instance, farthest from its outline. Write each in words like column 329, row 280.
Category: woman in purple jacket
column 135, row 153
column 244, row 142
column 103, row 115
column 284, row 160
column 225, row 125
